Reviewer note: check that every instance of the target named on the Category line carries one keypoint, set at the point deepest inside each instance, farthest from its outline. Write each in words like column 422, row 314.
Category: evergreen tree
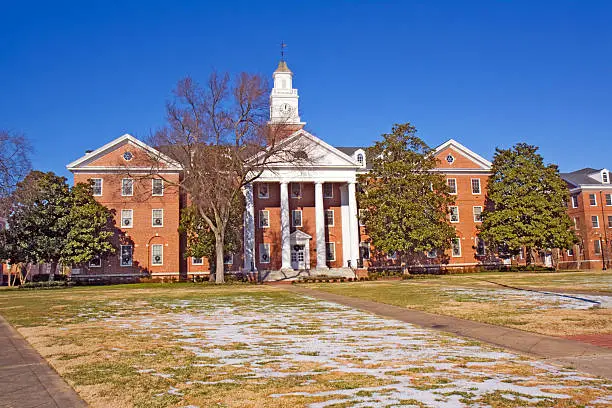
column 406, row 202
column 91, row 228
column 526, row 204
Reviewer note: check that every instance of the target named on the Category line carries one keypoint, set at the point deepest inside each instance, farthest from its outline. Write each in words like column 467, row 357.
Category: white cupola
column 284, row 98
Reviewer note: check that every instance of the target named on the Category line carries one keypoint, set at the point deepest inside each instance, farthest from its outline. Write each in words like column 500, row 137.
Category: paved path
column 582, row 356
column 27, row 379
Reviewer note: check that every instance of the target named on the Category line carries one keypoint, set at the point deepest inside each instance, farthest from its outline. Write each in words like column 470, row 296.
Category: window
column 96, row 262
column 609, row 221
column 477, row 213
column 197, row 261
column 574, row 201
column 480, row 247
column 608, row 199
column 228, row 259
column 605, row 177
column 392, row 255
column 595, row 221
column 127, row 187
column 475, row 186
column 296, row 190
column 157, row 188
column 456, row 247
column 157, row 217
column 433, row 253
column 296, row 218
column 264, row 219
column 263, row 190
column 127, row 217
column 570, row 252
column 450, row 159
column 597, row 247
column 329, row 218
column 328, row 190
column 157, row 254
column 330, row 251
column 593, row 200
column 264, row 253
column 361, row 217
column 96, row 185
column 364, row 250
column 126, row 255
column 452, row 185
column 360, row 159
column 454, row 213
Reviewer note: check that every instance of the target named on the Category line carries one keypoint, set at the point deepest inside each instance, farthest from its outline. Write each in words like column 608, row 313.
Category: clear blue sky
column 74, row 76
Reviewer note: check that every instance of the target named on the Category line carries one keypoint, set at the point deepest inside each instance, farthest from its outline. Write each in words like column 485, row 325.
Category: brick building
column 298, row 217
column 590, row 208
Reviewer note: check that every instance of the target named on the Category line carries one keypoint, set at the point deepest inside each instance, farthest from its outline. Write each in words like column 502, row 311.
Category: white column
column 353, row 224
column 249, row 229
column 284, row 209
column 320, row 226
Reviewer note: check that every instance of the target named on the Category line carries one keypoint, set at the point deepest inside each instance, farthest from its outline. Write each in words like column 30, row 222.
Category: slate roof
column 581, row 177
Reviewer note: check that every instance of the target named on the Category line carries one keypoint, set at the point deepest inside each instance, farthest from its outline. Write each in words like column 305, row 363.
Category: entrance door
column 298, row 259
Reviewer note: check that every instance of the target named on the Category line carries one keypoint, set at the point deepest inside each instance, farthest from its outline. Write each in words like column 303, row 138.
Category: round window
column 128, row 156
column 450, row 159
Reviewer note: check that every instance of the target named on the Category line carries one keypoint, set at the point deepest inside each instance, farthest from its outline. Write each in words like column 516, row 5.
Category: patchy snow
column 533, row 300
column 306, row 341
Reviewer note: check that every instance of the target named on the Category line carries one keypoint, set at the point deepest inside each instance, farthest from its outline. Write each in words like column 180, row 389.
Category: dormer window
column 605, row 177
column 360, row 158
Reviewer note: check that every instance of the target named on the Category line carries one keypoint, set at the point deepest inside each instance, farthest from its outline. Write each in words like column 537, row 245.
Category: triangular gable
column 322, row 154
column 299, row 234
column 452, row 146
column 101, row 158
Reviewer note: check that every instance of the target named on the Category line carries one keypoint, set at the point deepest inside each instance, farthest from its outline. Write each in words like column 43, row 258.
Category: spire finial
column 283, row 45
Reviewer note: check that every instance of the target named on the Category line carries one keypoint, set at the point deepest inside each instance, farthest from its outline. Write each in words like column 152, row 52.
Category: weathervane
column 283, row 45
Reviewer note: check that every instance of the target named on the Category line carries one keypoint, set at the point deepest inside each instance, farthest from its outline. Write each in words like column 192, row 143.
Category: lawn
column 184, row 345
column 476, row 297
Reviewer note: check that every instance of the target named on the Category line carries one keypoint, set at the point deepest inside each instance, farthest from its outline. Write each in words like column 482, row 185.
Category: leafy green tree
column 406, row 201
column 526, row 204
column 37, row 221
column 201, row 241
column 91, row 228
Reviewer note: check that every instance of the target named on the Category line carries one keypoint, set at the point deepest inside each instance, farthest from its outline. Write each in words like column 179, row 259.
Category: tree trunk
column 528, row 256
column 52, row 271
column 219, row 272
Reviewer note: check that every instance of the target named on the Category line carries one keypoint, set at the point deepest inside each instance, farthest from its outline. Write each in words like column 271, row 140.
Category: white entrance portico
column 300, row 250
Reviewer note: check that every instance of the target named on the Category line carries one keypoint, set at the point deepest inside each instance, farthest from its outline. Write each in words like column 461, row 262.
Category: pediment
column 112, row 156
column 299, row 235
column 453, row 155
column 316, row 153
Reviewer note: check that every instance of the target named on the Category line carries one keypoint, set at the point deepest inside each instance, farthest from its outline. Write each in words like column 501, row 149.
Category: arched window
column 360, row 158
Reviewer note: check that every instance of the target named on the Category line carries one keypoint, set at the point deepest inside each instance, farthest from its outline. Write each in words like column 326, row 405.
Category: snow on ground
column 305, row 340
column 541, row 300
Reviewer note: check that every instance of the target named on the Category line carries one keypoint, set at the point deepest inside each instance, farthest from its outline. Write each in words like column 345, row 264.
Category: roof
column 476, row 158
column 282, row 67
column 581, row 177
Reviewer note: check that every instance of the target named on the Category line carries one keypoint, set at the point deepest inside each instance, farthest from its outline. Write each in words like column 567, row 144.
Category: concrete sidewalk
column 27, row 379
column 581, row 356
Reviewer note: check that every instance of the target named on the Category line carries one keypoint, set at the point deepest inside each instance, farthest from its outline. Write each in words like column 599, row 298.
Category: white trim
column 122, row 181
column 267, row 246
column 96, row 266
column 332, row 190
column 474, row 213
column 472, row 186
column 153, row 187
column 609, row 221
column 201, row 258
column 293, row 224
column 131, row 256
column 574, row 199
column 101, row 186
column 173, row 165
column 161, row 255
column 606, row 196
column 479, row 160
column 452, row 249
column 267, row 217
column 153, row 218
column 327, row 259
column 333, row 215
column 131, row 218
column 450, row 213
column 119, row 169
column 456, row 188
column 596, row 219
column 589, row 187
column 595, row 197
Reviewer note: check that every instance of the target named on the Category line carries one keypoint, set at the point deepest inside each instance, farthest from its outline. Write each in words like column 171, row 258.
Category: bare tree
column 14, row 163
column 220, row 136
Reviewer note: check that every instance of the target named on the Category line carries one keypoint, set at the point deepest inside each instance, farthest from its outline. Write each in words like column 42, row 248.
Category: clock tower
column 284, row 98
